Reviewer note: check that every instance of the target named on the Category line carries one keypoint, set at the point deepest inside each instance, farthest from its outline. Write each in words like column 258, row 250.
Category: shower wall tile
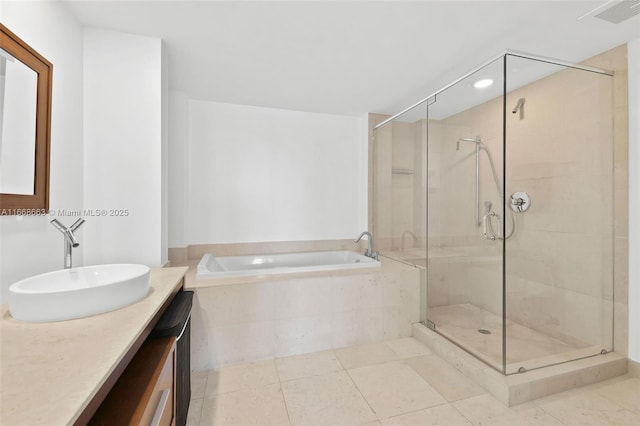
column 382, row 185
column 588, row 319
column 535, row 305
column 621, row 328
column 621, row 277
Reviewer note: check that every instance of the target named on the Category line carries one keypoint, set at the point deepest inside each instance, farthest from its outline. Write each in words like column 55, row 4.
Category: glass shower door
column 465, row 214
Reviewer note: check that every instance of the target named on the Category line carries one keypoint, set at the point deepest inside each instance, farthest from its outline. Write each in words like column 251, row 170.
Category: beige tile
column 590, row 409
column 241, row 342
column 398, row 321
column 486, row 410
column 394, row 388
column 306, row 365
column 198, row 383
column 355, row 292
column 303, row 335
column 241, row 376
column 356, row 327
column 359, row 356
column 408, row 347
column 442, row 415
column 231, row 304
column 625, row 393
column 451, row 383
column 303, row 297
column 195, row 409
column 257, row 406
column 328, row 399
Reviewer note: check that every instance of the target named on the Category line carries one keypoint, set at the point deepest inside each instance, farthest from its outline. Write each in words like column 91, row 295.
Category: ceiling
column 347, row 57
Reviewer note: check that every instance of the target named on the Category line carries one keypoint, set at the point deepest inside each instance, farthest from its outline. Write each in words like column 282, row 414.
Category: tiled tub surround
column 51, row 371
column 254, row 318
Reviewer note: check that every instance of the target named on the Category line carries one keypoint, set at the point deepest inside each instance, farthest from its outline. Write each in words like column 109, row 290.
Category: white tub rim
column 360, row 263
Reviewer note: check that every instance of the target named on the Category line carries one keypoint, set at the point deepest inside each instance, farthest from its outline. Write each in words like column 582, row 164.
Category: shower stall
column 499, row 187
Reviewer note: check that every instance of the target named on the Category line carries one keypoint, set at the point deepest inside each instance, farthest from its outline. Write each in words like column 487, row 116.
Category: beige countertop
column 49, row 372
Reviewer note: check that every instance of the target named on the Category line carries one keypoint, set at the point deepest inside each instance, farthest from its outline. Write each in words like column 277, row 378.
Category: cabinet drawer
column 145, row 393
column 159, row 411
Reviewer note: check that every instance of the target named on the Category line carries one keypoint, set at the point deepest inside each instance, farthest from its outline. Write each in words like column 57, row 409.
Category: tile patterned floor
column 399, row 382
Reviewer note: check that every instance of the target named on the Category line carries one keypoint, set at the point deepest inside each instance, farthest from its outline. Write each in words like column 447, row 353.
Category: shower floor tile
column 422, row 390
column 480, row 331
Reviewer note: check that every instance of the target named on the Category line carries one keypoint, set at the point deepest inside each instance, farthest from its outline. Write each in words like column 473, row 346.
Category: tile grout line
column 362, row 395
column 204, row 394
column 462, row 414
column 284, row 398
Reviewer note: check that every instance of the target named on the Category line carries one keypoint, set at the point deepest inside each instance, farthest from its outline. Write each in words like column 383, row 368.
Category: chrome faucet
column 70, row 241
column 369, row 252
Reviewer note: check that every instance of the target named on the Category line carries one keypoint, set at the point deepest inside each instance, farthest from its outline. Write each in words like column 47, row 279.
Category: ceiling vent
column 615, row 11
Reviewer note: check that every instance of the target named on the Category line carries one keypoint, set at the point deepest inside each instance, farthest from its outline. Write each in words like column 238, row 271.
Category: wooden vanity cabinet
column 145, row 393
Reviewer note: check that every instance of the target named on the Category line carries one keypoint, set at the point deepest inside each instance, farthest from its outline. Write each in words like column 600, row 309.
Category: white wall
column 633, row 53
column 178, row 167
column 30, row 245
column 123, row 147
column 262, row 174
column 164, row 154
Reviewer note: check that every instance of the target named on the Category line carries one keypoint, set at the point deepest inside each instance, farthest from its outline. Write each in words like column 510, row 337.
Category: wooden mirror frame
column 38, row 202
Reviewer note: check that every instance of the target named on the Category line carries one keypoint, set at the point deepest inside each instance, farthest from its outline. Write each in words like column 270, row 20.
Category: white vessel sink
column 78, row 292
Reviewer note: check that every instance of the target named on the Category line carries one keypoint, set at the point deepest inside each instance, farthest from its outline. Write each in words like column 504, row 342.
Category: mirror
column 25, row 125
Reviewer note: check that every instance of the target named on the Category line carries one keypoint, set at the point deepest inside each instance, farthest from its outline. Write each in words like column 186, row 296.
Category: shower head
column 519, row 105
column 477, row 140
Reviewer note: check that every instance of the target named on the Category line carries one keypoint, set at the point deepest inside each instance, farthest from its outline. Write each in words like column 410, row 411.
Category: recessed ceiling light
column 481, row 84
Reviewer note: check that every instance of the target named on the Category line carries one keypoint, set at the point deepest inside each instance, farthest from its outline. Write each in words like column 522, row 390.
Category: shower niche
column 499, row 186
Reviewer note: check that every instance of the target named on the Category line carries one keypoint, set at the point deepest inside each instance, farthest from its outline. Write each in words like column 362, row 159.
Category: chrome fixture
column 478, row 142
column 520, row 202
column 369, row 252
column 519, row 107
column 487, row 226
column 70, row 241
column 488, row 231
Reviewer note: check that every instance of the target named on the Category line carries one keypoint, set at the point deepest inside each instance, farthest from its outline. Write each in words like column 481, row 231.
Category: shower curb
column 523, row 387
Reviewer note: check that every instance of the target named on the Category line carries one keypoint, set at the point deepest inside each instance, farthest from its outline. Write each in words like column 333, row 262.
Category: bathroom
column 220, row 170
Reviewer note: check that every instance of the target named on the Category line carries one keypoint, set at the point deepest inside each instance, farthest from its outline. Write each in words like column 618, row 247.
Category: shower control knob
column 520, row 202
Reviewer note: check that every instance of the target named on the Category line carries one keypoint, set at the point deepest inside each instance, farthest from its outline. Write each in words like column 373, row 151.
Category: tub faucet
column 70, row 241
column 369, row 252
